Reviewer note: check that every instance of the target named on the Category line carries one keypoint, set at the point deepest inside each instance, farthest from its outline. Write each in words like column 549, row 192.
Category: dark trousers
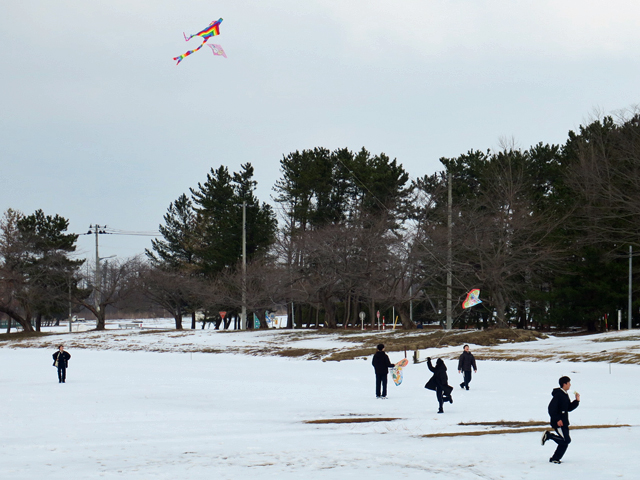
column 381, row 380
column 562, row 438
column 467, row 378
column 439, row 396
column 62, row 374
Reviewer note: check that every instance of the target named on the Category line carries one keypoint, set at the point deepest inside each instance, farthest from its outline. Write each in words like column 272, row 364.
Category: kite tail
column 185, row 37
column 179, row 58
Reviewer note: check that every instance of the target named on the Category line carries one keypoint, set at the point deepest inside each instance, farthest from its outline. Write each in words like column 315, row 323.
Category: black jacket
column 381, row 363
column 439, row 378
column 560, row 406
column 466, row 362
column 63, row 359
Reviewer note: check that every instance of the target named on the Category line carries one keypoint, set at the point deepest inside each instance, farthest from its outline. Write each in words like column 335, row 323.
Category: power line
column 105, row 230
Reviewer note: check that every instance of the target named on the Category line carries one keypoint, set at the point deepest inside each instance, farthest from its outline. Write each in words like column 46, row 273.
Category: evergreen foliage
column 37, row 271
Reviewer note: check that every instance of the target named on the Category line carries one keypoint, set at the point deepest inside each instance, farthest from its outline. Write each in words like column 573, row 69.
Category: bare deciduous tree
column 118, row 279
column 176, row 291
column 605, row 176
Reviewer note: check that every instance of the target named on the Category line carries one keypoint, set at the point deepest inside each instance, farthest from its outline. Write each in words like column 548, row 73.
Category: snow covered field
column 142, row 415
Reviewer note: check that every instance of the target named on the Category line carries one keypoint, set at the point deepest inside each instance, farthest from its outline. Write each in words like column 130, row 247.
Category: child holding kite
column 381, row 365
column 439, row 382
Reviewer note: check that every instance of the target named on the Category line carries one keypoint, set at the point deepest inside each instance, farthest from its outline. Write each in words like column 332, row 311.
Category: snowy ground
column 141, row 415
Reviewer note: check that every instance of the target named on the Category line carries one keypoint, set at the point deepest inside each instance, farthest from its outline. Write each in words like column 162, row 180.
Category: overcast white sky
column 99, row 125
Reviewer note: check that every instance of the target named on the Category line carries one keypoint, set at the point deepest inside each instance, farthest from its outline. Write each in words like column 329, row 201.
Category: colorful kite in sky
column 211, row 31
column 473, row 298
column 217, row 49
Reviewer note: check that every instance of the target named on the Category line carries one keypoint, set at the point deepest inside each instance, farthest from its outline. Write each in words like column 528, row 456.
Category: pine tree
column 218, row 205
column 38, row 272
column 179, row 245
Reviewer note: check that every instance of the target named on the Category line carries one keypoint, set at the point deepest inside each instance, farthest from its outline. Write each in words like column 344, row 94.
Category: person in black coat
column 465, row 363
column 61, row 360
column 381, row 365
column 559, row 408
column 439, row 382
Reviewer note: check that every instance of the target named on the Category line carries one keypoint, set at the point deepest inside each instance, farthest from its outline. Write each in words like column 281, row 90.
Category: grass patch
column 351, row 420
column 502, row 356
column 18, row 336
column 204, row 350
column 499, row 336
column 631, row 338
column 399, row 341
column 505, row 423
column 350, row 354
column 518, row 430
column 300, row 352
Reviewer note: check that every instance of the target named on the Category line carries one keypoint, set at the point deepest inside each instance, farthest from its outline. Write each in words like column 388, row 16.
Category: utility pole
column 96, row 278
column 243, row 323
column 630, row 281
column 449, row 255
column 97, row 230
column 70, row 311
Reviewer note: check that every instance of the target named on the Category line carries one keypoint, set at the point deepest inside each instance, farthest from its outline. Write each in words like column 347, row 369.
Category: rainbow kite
column 473, row 298
column 211, row 31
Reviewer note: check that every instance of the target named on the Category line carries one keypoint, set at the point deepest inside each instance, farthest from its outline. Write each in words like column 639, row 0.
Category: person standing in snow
column 61, row 360
column 465, row 363
column 439, row 382
column 381, row 365
column 559, row 409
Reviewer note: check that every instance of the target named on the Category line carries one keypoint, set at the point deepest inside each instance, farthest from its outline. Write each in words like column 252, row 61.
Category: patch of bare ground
column 625, row 357
column 610, row 357
column 21, row 336
column 514, row 430
column 505, row 423
column 513, row 356
column 54, row 345
column 411, row 341
column 144, row 332
column 499, row 336
column 574, row 333
column 208, row 350
column 352, row 420
column 351, row 354
column 634, row 338
column 310, row 353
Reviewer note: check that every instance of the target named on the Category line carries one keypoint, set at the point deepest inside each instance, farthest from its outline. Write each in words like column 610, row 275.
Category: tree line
column 544, row 233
